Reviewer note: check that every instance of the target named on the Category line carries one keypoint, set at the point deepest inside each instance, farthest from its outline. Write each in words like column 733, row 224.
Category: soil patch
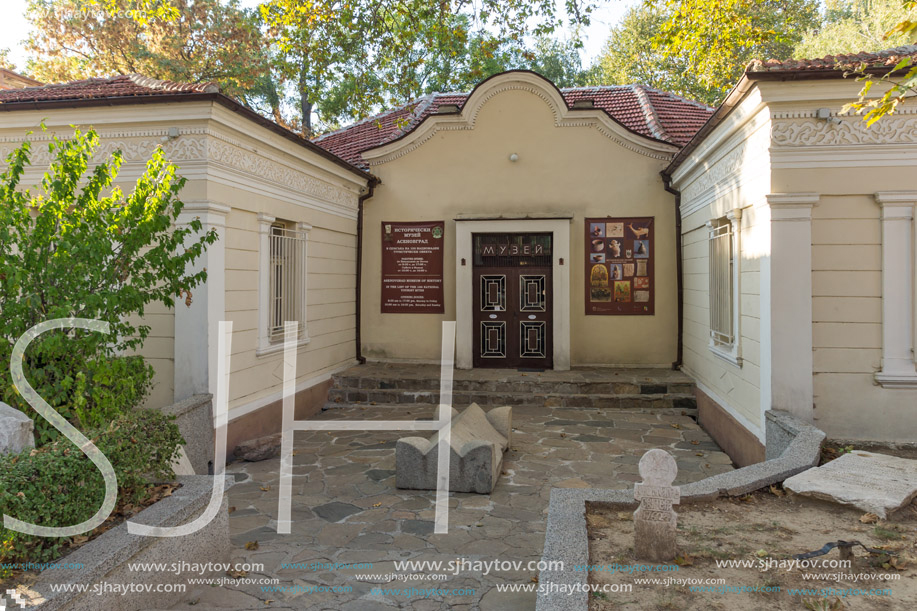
column 763, row 530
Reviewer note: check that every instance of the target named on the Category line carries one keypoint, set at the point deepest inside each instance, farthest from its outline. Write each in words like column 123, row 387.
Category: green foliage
column 346, row 60
column 717, row 38
column 79, row 247
column 629, row 57
column 73, row 39
column 5, row 61
column 57, row 485
column 141, row 11
column 851, row 26
column 557, row 60
column 900, row 82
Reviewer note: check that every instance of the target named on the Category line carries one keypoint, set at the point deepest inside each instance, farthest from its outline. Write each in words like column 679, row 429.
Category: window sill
column 278, row 347
column 729, row 356
column 897, row 380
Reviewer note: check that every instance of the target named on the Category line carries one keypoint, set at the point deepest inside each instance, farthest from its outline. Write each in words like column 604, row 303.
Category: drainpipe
column 370, row 188
column 678, row 269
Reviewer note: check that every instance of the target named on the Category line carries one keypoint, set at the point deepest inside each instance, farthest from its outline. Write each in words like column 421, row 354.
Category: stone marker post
column 654, row 520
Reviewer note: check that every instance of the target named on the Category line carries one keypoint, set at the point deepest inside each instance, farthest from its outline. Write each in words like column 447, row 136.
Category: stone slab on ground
column 15, row 430
column 477, row 443
column 876, row 483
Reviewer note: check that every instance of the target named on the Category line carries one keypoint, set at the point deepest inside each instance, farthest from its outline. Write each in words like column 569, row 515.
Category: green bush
column 57, row 485
column 78, row 246
column 89, row 393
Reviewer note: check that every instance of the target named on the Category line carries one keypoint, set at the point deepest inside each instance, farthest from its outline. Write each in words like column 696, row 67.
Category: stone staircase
column 593, row 387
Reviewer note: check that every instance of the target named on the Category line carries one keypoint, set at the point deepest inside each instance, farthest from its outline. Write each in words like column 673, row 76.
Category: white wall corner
column 898, row 264
column 789, row 292
column 196, row 326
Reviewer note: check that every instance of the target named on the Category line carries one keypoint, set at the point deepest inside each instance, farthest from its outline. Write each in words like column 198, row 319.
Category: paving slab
column 876, row 483
column 346, row 507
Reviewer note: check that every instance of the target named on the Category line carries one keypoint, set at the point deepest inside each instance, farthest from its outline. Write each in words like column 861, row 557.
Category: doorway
column 512, row 300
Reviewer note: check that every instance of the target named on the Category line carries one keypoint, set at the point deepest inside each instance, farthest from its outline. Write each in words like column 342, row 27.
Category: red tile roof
column 126, row 85
column 886, row 59
column 646, row 111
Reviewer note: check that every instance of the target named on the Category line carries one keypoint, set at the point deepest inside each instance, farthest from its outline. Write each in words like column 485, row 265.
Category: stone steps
column 528, row 385
column 338, row 397
column 644, row 389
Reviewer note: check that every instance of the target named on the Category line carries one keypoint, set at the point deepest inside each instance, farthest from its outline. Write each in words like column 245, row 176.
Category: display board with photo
column 619, row 266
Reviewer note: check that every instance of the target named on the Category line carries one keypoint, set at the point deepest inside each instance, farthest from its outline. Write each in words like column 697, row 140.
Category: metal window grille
column 722, row 260
column 287, row 280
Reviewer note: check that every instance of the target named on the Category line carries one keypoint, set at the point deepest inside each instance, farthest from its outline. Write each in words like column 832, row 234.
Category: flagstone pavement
column 347, row 510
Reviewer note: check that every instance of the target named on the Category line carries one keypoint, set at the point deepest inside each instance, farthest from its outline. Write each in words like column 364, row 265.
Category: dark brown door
column 512, row 301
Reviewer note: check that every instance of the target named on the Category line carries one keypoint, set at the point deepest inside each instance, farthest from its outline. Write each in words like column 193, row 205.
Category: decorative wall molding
column 809, row 131
column 530, row 83
column 206, row 145
column 719, row 172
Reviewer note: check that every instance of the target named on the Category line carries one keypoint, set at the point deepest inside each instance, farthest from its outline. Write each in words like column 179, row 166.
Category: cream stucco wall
column 847, row 317
column 464, row 169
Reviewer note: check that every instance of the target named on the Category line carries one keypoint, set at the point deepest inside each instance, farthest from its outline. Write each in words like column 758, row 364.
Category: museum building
column 765, row 248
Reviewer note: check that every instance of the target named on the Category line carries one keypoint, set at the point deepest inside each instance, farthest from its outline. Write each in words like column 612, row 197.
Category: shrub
column 80, row 247
column 57, row 485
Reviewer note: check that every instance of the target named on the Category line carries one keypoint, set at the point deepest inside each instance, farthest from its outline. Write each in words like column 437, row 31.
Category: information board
column 412, row 268
column 619, row 266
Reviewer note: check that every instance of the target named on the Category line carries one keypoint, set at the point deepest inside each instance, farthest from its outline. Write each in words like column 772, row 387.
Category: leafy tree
column 717, row 38
column 5, row 61
column 900, row 81
column 348, row 59
column 851, row 26
column 207, row 40
column 557, row 60
column 141, row 11
column 629, row 56
column 79, row 247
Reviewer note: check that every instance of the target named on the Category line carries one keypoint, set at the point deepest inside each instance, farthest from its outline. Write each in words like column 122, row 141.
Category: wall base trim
column 742, row 446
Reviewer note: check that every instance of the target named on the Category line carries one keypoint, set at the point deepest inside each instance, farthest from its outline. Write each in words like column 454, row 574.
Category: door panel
column 512, row 309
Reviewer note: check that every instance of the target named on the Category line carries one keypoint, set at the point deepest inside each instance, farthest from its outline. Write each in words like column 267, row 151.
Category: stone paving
column 346, row 508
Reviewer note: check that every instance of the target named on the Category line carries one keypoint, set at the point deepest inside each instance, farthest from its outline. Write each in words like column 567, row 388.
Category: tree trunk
column 306, row 116
column 305, row 104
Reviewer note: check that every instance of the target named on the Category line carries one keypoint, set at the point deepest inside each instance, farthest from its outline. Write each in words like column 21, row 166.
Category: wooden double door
column 512, row 301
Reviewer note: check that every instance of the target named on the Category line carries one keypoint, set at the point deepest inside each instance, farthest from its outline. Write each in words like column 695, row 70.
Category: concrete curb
column 104, row 559
column 795, row 446
column 195, row 421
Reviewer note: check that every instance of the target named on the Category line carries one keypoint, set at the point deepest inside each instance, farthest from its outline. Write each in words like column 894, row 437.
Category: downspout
column 679, row 281
column 370, row 188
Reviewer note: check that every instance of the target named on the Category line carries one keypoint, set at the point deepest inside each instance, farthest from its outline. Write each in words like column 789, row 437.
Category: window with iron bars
column 287, row 284
column 722, row 283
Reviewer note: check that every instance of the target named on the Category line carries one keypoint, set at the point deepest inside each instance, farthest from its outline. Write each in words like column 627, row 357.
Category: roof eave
column 743, row 86
column 722, row 111
column 218, row 98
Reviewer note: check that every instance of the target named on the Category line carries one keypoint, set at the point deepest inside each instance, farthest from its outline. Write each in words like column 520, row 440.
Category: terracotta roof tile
column 646, row 111
column 886, row 59
column 126, row 85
